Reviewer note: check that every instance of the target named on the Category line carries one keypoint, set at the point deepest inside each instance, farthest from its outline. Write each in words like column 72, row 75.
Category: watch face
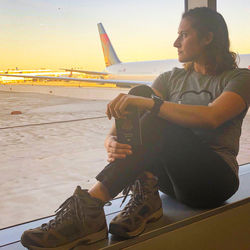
column 156, row 97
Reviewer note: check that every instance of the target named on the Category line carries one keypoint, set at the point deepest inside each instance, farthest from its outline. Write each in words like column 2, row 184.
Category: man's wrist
column 106, row 140
column 157, row 104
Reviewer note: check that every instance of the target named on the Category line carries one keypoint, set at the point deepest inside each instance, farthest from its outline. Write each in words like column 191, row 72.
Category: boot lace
column 72, row 207
column 137, row 197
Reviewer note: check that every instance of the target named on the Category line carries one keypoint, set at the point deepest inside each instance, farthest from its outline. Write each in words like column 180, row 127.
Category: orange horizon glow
column 62, row 34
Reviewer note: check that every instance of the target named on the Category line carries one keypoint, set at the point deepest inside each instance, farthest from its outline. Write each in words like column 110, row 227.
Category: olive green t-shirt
column 185, row 87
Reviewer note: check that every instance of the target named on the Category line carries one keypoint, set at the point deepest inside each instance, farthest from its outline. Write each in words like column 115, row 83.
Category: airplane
column 124, row 74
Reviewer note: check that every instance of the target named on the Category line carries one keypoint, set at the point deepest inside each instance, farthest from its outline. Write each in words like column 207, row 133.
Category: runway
column 80, row 90
column 52, row 147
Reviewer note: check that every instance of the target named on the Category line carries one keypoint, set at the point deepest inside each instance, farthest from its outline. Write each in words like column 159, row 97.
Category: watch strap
column 157, row 104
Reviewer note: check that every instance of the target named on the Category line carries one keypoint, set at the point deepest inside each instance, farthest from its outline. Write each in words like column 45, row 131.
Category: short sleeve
column 240, row 84
column 161, row 84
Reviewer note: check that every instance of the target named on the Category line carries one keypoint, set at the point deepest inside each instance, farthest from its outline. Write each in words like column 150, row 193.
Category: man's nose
column 176, row 43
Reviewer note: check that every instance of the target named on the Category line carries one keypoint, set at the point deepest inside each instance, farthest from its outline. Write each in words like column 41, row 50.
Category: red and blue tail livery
column 110, row 56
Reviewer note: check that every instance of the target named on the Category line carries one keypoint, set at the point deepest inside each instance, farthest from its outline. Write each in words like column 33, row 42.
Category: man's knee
column 141, row 90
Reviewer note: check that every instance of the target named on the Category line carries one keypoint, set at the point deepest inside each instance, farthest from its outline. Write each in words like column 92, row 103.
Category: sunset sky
column 63, row 33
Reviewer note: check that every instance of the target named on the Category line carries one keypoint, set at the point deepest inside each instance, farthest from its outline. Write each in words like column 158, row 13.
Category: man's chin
column 182, row 60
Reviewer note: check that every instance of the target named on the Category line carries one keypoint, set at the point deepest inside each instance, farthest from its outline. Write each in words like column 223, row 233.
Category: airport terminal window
column 236, row 14
column 48, row 143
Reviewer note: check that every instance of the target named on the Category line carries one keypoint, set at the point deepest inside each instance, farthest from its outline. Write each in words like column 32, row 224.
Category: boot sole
column 89, row 239
column 118, row 230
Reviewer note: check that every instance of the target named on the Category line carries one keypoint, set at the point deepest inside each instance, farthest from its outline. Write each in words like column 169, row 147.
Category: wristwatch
column 157, row 104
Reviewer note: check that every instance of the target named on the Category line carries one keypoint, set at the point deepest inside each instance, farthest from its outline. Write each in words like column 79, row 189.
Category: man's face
column 190, row 47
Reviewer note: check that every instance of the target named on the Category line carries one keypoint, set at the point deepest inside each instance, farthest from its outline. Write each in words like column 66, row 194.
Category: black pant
column 187, row 169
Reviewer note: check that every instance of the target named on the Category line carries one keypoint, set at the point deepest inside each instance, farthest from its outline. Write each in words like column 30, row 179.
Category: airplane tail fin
column 110, row 56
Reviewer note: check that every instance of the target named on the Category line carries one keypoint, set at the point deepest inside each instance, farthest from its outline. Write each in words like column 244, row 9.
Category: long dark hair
column 218, row 56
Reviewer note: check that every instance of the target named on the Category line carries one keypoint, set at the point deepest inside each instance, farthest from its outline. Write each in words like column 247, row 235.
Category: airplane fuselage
column 149, row 70
column 145, row 70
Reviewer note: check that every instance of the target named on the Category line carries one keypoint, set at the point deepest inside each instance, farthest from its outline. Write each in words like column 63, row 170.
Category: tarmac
column 55, row 144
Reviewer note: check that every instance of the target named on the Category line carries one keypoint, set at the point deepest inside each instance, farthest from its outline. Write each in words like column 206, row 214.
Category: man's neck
column 200, row 68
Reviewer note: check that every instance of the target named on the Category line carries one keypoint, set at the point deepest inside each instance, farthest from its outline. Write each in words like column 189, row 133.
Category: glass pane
column 52, row 146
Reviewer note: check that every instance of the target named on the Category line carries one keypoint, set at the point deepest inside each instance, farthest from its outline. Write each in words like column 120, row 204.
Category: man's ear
column 208, row 38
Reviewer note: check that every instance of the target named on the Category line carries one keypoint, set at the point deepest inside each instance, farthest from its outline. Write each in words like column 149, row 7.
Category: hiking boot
column 144, row 206
column 80, row 219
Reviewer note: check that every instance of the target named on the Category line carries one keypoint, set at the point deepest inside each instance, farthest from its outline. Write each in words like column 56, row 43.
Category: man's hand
column 117, row 108
column 116, row 150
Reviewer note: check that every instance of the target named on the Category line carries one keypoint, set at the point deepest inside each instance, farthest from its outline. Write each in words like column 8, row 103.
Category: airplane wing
column 100, row 81
column 87, row 72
